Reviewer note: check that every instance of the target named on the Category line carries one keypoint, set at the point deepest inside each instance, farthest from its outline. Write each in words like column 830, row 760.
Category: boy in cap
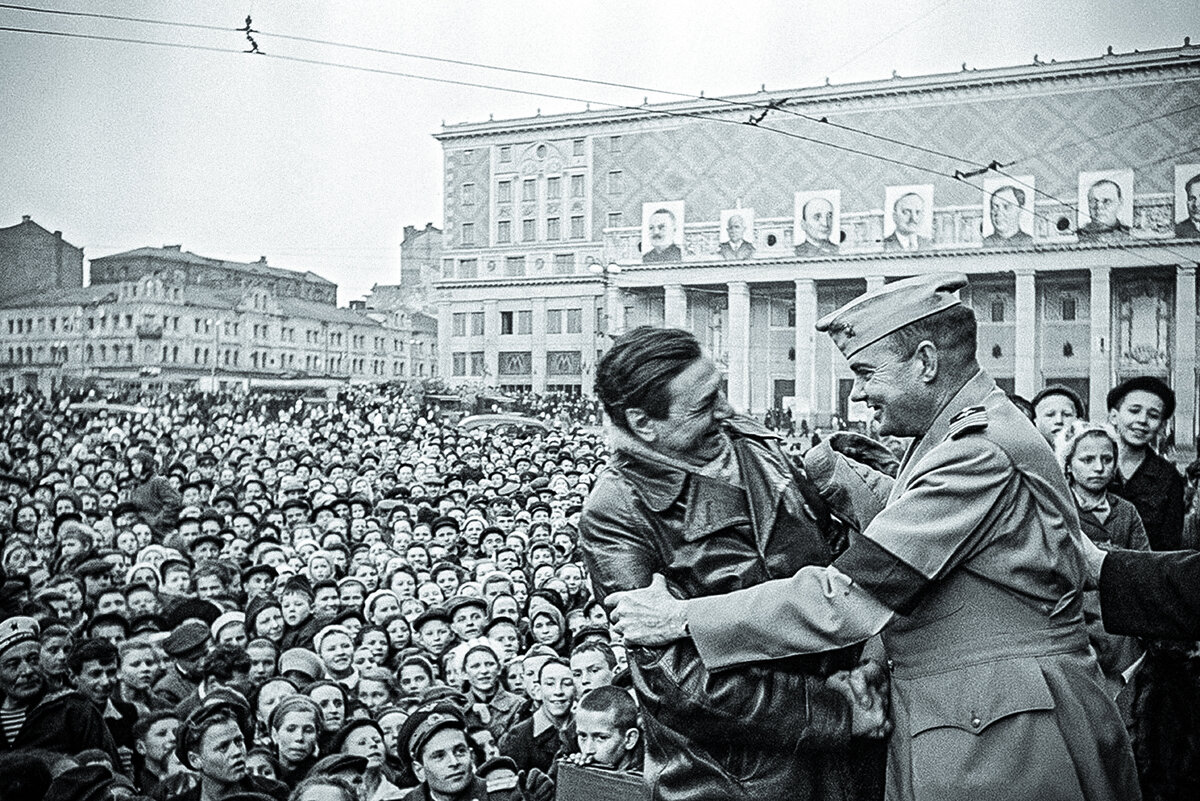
column 212, row 742
column 435, row 741
column 187, row 645
column 31, row 716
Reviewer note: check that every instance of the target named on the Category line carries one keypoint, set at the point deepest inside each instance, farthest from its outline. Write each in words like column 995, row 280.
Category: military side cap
column 425, row 721
column 873, row 316
column 186, row 638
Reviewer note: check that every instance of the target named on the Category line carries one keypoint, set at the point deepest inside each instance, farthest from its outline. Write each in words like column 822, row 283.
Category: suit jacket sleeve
column 1153, row 594
column 959, row 483
column 778, row 710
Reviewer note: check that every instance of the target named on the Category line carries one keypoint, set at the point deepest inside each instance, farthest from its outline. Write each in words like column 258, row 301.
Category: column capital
column 805, row 283
column 1024, row 271
column 1184, row 270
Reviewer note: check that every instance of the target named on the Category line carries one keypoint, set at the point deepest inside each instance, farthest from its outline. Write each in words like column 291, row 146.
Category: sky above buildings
column 318, row 167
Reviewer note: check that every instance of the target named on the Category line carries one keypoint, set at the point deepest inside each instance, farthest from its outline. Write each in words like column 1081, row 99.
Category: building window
column 506, row 322
column 515, row 363
column 504, row 192
column 614, row 182
column 574, row 321
column 468, row 268
column 514, row 266
column 783, row 313
column 505, row 154
column 460, row 364
column 553, row 188
column 528, row 230
column 563, row 362
column 577, row 147
column 468, row 194
column 576, row 186
column 553, row 228
column 577, row 227
column 529, row 190
column 477, row 363
column 467, row 232
column 564, row 263
column 1068, row 308
column 525, row 322
column 997, row 311
column 614, row 219
column 614, row 144
column 504, row 232
column 459, row 324
column 476, row 324
column 554, row 321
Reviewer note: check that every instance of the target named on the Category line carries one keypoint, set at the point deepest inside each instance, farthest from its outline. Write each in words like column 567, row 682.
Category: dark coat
column 1156, row 490
column 530, row 750
column 63, row 722
column 1153, row 595
column 762, row 732
column 159, row 503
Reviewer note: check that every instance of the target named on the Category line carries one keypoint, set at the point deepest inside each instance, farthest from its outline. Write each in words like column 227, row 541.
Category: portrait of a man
column 737, row 233
column 1105, row 204
column 908, row 218
column 662, row 232
column 818, row 230
column 1187, row 201
column 1008, row 212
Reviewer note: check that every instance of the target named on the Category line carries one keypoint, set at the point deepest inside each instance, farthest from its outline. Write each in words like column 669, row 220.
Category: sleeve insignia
column 972, row 418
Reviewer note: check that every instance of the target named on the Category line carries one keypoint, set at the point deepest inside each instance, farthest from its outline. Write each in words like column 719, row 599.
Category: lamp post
column 607, row 274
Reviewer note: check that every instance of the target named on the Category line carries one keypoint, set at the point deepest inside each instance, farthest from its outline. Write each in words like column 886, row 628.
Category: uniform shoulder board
column 502, row 782
column 972, row 418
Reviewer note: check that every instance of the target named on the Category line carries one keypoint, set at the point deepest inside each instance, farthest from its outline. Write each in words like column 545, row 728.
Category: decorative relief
column 1144, row 323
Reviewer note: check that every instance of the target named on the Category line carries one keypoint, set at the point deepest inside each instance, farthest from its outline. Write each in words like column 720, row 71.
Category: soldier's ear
column 927, row 357
column 418, row 771
column 641, row 424
column 631, row 738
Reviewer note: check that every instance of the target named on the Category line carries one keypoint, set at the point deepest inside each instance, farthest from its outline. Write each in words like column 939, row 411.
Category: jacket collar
column 658, row 481
column 972, row 393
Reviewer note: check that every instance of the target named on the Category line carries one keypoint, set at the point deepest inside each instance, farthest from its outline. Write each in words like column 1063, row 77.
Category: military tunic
column 975, row 569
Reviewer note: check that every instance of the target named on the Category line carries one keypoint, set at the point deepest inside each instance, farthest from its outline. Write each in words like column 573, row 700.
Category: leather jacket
column 770, row 731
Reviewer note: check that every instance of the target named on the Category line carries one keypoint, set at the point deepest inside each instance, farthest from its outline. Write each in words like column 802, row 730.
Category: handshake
column 866, row 688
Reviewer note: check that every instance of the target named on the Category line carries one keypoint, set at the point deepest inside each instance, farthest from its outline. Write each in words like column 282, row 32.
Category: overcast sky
column 319, row 168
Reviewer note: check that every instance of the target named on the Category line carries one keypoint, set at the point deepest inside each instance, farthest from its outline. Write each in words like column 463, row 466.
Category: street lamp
column 607, row 274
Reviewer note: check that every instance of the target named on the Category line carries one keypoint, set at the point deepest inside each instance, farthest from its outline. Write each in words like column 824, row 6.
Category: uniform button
column 891, row 664
column 976, row 722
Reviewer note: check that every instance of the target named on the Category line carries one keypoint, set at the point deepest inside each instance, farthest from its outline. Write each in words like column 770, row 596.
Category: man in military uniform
column 435, row 741
column 973, row 571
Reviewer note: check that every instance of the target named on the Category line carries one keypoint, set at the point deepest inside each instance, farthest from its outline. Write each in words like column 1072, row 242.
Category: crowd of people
column 208, row 595
column 205, row 594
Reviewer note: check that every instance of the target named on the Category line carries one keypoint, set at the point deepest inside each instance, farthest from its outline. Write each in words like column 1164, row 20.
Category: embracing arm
column 884, row 571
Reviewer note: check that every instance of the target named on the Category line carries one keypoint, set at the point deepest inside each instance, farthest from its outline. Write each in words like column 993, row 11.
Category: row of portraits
column 1105, row 211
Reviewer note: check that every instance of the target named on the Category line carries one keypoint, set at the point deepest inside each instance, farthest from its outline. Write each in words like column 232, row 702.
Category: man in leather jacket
column 710, row 500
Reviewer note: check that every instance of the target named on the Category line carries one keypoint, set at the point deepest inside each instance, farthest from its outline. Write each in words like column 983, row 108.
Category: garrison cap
column 873, row 316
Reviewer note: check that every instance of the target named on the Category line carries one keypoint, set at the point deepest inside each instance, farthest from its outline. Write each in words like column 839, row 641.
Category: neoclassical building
column 550, row 244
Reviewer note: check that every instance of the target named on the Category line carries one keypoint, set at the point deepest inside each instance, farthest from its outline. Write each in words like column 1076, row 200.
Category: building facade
column 420, row 265
column 1063, row 190
column 166, row 317
column 33, row 259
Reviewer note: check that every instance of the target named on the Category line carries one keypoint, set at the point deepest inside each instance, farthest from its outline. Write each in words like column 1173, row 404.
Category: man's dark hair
column 1065, row 392
column 554, row 660
column 602, row 648
column 615, row 700
column 224, row 662
column 146, row 722
column 952, row 330
column 1109, row 181
column 1195, row 179
column 1019, row 194
column 635, row 372
column 94, row 649
column 25, row 774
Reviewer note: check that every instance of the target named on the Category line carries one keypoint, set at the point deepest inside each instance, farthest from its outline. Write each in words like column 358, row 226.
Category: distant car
column 494, row 422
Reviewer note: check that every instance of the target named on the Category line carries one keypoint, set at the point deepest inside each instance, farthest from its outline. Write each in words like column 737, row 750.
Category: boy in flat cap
column 973, row 572
column 435, row 741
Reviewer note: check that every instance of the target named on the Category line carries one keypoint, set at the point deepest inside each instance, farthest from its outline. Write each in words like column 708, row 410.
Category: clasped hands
column 866, row 687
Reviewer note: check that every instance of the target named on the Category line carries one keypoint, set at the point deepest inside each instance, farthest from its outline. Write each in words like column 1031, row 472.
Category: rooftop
column 175, row 253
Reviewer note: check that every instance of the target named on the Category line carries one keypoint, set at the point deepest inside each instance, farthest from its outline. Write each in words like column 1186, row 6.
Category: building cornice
column 1182, row 62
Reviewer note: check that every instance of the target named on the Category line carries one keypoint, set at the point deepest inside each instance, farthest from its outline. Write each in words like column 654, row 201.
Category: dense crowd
column 259, row 593
column 344, row 587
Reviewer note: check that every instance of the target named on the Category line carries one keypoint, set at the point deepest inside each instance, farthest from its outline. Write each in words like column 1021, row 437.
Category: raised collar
column 972, row 393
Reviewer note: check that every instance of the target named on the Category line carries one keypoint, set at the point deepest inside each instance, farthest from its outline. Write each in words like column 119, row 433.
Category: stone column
column 875, row 282
column 589, row 343
column 806, row 352
column 491, row 339
column 739, row 345
column 674, row 306
column 614, row 305
column 537, row 345
column 444, row 331
column 1025, row 358
column 1183, row 365
column 1100, row 366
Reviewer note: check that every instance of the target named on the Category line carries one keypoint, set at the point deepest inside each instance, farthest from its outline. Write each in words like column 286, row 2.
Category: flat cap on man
column 873, row 316
column 186, row 639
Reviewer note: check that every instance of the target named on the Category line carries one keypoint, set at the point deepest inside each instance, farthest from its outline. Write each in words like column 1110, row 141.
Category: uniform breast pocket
column 987, row 732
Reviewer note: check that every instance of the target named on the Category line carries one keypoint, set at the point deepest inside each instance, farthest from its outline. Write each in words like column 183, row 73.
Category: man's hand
column 649, row 616
column 866, row 451
column 866, row 688
column 535, row 785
